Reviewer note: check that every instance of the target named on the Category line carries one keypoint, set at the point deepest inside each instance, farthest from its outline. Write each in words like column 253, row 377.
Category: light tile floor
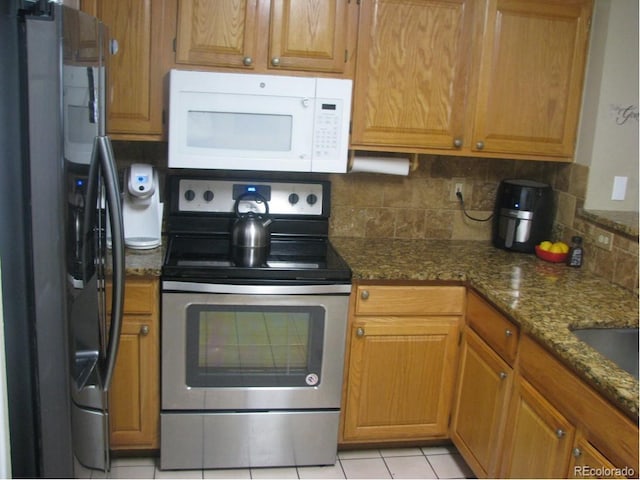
column 426, row 462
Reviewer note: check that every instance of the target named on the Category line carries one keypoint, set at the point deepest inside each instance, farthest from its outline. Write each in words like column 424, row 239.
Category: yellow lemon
column 546, row 245
column 564, row 248
column 555, row 248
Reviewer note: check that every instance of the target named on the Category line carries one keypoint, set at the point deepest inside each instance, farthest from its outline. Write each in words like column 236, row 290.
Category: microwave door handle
column 117, row 255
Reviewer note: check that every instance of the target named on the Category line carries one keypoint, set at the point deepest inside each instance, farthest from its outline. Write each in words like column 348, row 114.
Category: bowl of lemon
column 555, row 252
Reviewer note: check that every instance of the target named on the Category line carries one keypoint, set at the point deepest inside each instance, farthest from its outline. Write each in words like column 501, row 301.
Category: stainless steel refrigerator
column 59, row 195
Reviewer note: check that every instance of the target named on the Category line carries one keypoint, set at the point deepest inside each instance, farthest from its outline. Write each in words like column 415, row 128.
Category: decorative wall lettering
column 624, row 114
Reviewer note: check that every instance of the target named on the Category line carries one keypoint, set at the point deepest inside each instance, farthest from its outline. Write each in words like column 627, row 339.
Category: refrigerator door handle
column 117, row 253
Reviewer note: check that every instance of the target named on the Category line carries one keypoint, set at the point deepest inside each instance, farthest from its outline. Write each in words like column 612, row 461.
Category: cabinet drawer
column 140, row 296
column 494, row 328
column 409, row 300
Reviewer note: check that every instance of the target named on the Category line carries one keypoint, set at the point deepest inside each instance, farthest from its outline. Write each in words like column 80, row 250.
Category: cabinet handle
column 508, row 333
column 479, row 144
column 275, row 61
column 577, row 452
column 247, row 61
column 360, row 332
column 364, row 294
column 502, row 375
column 560, row 433
column 113, row 46
column 457, row 142
column 144, row 330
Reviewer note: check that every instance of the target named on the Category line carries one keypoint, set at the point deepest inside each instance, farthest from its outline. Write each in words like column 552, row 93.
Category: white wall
column 608, row 135
column 5, row 446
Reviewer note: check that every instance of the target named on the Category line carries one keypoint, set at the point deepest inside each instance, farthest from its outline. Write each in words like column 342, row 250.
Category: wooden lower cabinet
column 519, row 412
column 401, row 364
column 480, row 404
column 134, row 397
column 605, row 436
column 539, row 438
column 588, row 462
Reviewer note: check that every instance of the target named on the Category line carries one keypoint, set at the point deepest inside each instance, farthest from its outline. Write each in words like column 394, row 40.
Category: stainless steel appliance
column 59, row 193
column 523, row 214
column 252, row 356
column 240, row 121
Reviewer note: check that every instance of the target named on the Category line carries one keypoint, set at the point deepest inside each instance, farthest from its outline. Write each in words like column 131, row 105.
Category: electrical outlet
column 604, row 239
column 457, row 185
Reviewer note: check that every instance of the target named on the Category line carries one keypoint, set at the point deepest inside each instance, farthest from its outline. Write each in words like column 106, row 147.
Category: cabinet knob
column 560, row 433
column 364, row 294
column 275, row 61
column 144, row 330
column 247, row 61
column 577, row 452
column 479, row 144
column 113, row 46
column 502, row 375
column 360, row 332
column 508, row 333
column 457, row 142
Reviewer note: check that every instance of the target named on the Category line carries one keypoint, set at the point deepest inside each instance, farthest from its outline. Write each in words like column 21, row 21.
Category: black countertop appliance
column 523, row 214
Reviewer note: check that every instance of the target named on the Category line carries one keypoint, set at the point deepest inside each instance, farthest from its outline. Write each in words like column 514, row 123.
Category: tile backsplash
column 419, row 206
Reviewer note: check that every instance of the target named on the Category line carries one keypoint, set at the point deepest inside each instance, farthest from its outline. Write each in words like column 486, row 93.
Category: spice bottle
column 575, row 252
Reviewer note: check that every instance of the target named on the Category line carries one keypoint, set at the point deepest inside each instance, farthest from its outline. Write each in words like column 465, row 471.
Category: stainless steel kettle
column 250, row 234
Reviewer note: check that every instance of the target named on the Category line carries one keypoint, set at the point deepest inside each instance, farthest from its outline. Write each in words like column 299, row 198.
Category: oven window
column 254, row 346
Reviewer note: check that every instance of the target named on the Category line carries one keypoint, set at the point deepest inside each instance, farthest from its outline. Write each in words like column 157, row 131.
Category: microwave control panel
column 327, row 133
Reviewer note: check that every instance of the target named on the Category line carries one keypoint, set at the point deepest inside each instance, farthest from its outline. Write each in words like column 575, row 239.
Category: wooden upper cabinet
column 413, row 58
column 217, row 32
column 531, row 76
column 309, row 35
column 483, row 78
column 136, row 71
column 266, row 35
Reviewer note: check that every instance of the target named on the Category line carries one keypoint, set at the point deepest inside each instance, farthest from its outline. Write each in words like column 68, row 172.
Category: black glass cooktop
column 209, row 258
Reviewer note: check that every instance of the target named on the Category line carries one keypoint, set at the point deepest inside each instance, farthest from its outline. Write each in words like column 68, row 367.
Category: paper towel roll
column 388, row 165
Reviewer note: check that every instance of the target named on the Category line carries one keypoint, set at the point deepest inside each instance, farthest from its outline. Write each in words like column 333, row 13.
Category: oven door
column 252, row 350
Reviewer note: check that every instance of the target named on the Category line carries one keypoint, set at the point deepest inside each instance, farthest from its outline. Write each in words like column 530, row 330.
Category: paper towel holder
column 413, row 159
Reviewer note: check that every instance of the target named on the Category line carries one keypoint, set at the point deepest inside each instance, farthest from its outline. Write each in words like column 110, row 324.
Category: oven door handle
column 195, row 287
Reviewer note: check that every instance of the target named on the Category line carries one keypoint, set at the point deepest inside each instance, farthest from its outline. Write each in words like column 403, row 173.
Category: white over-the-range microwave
column 237, row 121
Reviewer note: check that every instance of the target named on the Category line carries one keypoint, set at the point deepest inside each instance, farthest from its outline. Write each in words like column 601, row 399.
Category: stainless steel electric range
column 252, row 355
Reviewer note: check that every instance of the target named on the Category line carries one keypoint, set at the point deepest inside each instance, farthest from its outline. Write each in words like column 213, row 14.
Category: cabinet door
column 588, row 462
column 479, row 411
column 531, row 75
column 136, row 71
column 217, row 32
column 309, row 35
column 538, row 439
column 401, row 375
column 134, row 397
column 411, row 73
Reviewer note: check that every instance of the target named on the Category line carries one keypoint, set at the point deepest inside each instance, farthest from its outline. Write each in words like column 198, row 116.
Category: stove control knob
column 207, row 195
column 312, row 199
column 293, row 198
column 189, row 195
